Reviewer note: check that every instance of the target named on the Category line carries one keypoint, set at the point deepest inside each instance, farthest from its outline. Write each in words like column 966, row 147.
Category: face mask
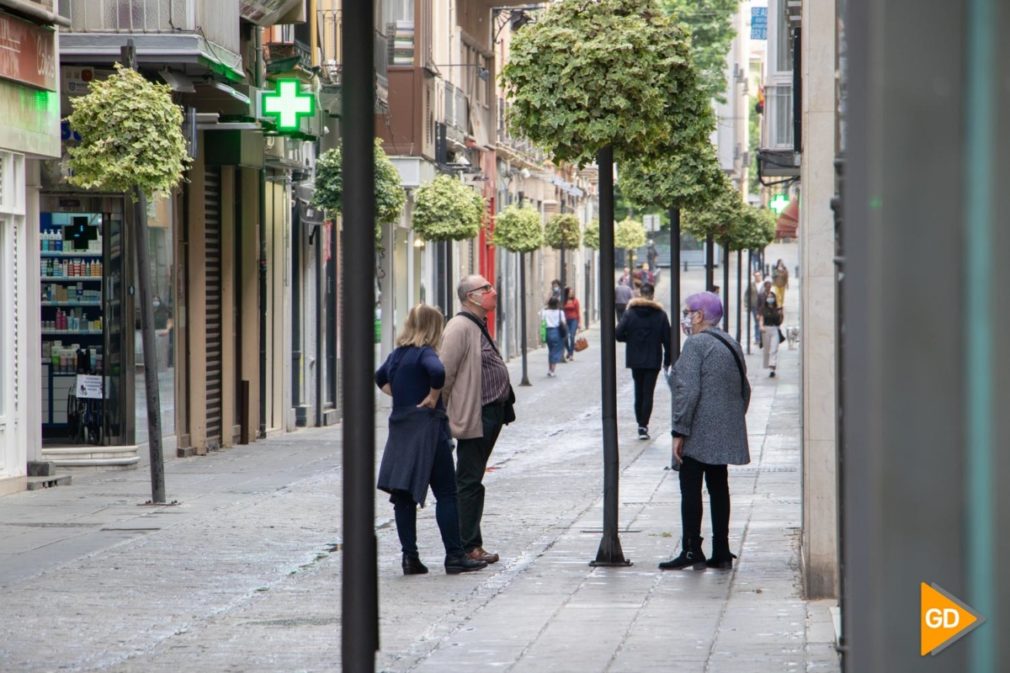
column 687, row 325
column 487, row 300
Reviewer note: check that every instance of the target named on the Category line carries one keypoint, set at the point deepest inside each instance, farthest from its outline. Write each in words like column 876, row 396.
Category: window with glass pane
column 784, row 50
column 398, row 19
column 781, row 98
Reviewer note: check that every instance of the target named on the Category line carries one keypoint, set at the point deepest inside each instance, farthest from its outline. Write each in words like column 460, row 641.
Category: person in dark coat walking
column 646, row 330
column 418, row 451
column 710, row 399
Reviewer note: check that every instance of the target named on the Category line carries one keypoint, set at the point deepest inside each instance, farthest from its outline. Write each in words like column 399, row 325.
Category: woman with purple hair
column 710, row 399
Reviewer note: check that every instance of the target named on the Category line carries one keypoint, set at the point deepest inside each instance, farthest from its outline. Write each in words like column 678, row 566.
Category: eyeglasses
column 686, row 312
column 485, row 288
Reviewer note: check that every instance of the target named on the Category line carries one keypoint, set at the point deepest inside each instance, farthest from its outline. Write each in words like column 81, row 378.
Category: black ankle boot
column 461, row 563
column 691, row 556
column 722, row 557
column 412, row 565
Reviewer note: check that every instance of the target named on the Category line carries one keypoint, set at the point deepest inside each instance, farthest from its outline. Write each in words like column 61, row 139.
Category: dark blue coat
column 414, row 436
column 646, row 330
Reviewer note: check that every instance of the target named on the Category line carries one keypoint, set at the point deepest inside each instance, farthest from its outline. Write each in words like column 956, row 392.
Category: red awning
column 789, row 220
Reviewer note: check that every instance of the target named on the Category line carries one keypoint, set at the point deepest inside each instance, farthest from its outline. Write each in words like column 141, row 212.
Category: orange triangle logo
column 943, row 619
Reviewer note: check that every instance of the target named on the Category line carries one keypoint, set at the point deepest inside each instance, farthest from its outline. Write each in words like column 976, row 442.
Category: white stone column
column 817, row 250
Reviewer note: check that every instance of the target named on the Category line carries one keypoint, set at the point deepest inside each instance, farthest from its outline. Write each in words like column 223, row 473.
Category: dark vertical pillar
column 522, row 311
column 710, row 263
column 675, row 300
column 609, row 553
column 750, row 279
column 725, row 287
column 739, row 292
column 359, row 599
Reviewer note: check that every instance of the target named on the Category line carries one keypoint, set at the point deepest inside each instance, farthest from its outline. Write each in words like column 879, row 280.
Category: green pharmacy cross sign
column 288, row 104
column 778, row 203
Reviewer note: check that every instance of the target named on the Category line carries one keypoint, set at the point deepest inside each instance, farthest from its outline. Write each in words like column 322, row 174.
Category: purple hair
column 708, row 303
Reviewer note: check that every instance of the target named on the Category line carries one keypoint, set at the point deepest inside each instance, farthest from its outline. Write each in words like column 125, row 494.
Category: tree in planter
column 597, row 80
column 389, row 193
column 591, row 237
column 562, row 233
column 132, row 142
column 447, row 210
column 629, row 235
column 519, row 229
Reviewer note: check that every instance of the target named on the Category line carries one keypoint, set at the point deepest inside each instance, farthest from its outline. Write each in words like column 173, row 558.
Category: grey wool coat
column 709, row 408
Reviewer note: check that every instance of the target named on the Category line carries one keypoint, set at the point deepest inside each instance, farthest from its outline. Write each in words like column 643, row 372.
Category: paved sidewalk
column 244, row 575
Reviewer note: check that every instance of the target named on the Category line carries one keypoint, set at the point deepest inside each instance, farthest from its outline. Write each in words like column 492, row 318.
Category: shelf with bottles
column 71, row 359
column 63, row 294
column 75, row 321
column 73, row 268
column 54, row 241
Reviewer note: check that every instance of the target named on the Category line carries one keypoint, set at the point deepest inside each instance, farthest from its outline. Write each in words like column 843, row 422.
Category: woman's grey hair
column 709, row 304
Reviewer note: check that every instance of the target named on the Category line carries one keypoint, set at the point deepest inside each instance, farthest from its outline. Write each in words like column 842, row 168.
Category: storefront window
column 162, row 264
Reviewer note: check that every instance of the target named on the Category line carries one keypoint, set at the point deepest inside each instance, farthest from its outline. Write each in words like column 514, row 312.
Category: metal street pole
column 739, row 292
column 609, row 553
column 675, row 280
column 522, row 312
column 725, row 287
column 710, row 262
column 359, row 589
column 128, row 56
column 750, row 281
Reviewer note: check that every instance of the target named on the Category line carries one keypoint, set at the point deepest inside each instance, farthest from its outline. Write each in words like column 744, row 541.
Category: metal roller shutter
column 212, row 242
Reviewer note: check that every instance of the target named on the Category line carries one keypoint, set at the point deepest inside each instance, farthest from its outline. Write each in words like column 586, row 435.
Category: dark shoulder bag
column 510, row 401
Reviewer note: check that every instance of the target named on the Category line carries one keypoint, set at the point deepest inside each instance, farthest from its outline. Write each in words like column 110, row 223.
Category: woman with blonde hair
column 418, row 451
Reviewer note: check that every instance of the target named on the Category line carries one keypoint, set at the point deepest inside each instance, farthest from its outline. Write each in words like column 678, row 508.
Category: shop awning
column 789, row 221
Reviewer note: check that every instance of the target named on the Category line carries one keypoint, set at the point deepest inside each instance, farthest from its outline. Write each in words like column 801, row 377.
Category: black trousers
column 645, row 387
column 471, row 462
column 717, row 479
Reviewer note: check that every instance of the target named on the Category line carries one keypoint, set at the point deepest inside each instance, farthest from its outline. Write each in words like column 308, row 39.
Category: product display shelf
column 71, row 303
column 59, row 279
column 67, row 332
column 65, row 254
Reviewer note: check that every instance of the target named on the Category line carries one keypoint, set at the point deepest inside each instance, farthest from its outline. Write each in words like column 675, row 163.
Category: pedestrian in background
column 780, row 281
column 754, row 300
column 622, row 295
column 572, row 315
column 651, row 254
column 556, row 291
column 646, row 330
column 625, row 277
column 418, row 451
column 771, row 321
column 478, row 398
column 710, row 399
column 557, row 334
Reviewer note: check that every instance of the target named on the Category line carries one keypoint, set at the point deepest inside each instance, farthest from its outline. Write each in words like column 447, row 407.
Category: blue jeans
column 573, row 327
column 443, row 486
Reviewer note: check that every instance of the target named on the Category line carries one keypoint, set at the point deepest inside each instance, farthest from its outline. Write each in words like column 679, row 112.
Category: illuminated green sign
column 288, row 104
column 778, row 203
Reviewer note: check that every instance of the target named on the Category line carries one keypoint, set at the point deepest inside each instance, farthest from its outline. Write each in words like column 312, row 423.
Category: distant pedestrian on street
column 754, row 300
column 418, row 451
column 572, row 316
column 625, row 277
column 780, row 281
column 710, row 399
column 556, row 291
column 557, row 333
column 651, row 254
column 623, row 294
column 771, row 322
column 478, row 398
column 646, row 330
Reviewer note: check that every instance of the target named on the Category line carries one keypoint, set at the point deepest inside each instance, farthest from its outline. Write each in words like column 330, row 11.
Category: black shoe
column 461, row 563
column 412, row 565
column 772, row 375
column 721, row 562
column 691, row 556
column 643, row 432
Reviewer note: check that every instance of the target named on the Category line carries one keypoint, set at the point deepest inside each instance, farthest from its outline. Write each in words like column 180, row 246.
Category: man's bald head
column 468, row 284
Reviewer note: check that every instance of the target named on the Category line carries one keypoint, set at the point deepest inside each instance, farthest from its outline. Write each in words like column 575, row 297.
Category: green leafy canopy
column 629, row 234
column 562, row 231
column 685, row 179
column 389, row 193
column 518, row 229
column 710, row 25
column 591, row 237
column 721, row 217
column 446, row 209
column 592, row 73
column 131, row 136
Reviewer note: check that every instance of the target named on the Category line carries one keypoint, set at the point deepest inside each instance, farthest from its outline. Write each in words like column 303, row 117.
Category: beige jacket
column 460, row 353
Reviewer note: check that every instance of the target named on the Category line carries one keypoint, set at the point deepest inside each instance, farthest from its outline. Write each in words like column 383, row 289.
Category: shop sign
column 88, row 387
column 27, row 53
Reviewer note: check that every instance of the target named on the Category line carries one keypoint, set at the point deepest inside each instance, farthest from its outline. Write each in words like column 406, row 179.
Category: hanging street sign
column 287, row 104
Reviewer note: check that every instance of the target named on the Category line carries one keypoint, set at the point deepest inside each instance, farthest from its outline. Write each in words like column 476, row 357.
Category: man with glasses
column 478, row 399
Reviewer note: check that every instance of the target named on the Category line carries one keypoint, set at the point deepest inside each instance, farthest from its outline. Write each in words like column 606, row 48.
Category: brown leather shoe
column 480, row 554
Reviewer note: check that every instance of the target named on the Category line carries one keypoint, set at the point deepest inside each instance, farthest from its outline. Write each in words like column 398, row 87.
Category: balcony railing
column 215, row 21
column 457, row 109
column 331, row 44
